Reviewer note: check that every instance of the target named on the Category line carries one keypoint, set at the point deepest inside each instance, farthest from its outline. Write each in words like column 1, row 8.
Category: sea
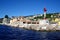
column 13, row 33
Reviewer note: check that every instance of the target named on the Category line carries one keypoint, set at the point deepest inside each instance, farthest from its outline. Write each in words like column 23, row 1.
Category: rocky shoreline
column 49, row 29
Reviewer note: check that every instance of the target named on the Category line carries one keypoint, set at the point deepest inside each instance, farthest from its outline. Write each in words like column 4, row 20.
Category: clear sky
column 27, row 7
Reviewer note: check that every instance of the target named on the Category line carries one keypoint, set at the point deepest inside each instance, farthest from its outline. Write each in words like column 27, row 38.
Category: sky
column 27, row 7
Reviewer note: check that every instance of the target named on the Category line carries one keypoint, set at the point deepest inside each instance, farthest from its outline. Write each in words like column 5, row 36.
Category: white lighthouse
column 45, row 13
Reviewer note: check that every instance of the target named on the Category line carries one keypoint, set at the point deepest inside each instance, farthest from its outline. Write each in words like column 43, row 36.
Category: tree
column 6, row 16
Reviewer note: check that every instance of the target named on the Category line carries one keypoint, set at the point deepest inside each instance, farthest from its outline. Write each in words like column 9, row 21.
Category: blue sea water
column 11, row 33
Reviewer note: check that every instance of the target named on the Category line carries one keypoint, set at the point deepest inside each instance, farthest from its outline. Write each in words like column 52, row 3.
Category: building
column 6, row 20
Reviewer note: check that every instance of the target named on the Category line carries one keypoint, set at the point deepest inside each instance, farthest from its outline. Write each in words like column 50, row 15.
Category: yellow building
column 56, row 20
column 13, row 20
column 59, row 23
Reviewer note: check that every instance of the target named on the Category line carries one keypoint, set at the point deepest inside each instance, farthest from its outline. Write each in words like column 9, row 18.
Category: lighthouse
column 45, row 13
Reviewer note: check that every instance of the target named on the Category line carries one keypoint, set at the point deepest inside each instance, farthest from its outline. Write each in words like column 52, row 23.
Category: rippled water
column 10, row 33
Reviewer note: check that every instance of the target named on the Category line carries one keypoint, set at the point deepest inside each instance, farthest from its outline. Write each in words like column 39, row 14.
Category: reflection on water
column 10, row 33
column 43, row 35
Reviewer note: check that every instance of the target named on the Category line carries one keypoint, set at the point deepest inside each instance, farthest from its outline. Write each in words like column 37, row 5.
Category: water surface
column 11, row 33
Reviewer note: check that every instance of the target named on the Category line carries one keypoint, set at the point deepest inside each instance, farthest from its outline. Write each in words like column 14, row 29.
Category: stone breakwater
column 36, row 27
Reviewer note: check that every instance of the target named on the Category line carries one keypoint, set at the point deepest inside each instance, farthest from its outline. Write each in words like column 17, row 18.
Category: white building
column 6, row 21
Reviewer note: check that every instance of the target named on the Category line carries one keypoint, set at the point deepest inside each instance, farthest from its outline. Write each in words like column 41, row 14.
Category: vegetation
column 49, row 16
column 6, row 16
column 1, row 20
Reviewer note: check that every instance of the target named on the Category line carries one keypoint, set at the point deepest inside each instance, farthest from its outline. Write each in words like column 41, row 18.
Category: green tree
column 6, row 16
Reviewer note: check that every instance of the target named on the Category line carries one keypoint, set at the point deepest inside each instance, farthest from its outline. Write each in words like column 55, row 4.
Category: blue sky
column 27, row 7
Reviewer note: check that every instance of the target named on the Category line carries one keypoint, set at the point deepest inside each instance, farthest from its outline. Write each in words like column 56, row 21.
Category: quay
column 42, row 25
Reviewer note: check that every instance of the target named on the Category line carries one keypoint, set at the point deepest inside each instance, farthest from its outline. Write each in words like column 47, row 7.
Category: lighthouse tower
column 45, row 13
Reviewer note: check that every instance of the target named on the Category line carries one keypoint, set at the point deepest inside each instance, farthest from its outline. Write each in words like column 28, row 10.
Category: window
column 24, row 22
column 33, row 22
column 28, row 22
column 37, row 22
